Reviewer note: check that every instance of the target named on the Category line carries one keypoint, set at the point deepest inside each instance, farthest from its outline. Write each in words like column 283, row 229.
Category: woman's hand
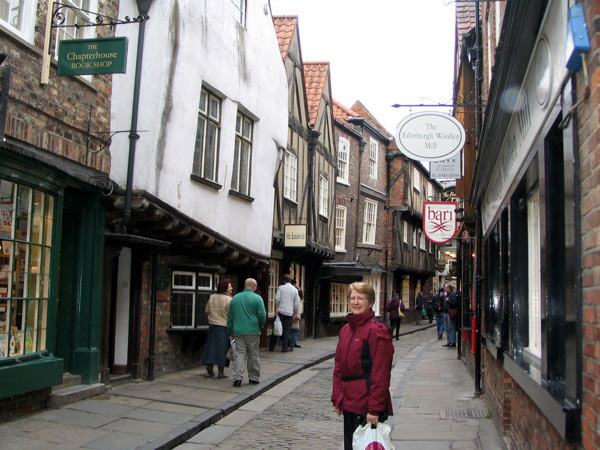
column 338, row 411
column 373, row 420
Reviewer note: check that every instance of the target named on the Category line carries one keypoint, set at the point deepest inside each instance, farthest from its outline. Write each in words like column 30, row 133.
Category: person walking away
column 450, row 313
column 245, row 318
column 438, row 307
column 394, row 307
column 217, row 341
column 419, row 308
column 295, row 330
column 429, row 305
column 363, row 362
column 287, row 303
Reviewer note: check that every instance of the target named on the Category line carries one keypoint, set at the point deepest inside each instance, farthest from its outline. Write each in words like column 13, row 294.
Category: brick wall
column 56, row 117
column 20, row 405
column 589, row 154
column 497, row 385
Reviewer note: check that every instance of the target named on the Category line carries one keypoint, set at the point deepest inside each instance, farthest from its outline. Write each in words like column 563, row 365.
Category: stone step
column 61, row 397
column 116, row 380
column 69, row 380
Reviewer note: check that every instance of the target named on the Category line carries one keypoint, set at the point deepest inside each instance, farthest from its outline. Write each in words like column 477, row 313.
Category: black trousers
column 351, row 422
column 395, row 324
column 286, row 337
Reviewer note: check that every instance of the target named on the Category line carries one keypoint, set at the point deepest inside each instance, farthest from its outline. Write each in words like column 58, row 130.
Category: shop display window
column 26, row 223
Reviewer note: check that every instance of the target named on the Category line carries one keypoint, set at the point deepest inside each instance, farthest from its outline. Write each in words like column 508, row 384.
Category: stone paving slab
column 212, row 435
column 100, row 407
column 150, row 415
column 75, row 418
column 52, row 434
column 118, row 441
column 238, row 418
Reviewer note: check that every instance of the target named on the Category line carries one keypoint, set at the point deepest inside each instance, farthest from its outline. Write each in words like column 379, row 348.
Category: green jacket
column 246, row 314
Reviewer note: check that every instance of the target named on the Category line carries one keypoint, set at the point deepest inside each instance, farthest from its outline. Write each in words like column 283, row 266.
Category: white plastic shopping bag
column 367, row 438
column 277, row 327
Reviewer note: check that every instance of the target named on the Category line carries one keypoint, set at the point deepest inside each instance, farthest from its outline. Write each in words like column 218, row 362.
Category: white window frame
column 534, row 274
column 273, row 285
column 417, row 180
column 323, row 196
column 343, row 160
column 338, row 300
column 373, row 154
column 194, row 289
column 27, row 15
column 201, row 149
column 71, row 16
column 243, row 144
column 414, row 237
column 370, row 222
column 375, row 282
column 405, row 231
column 422, row 241
column 290, row 176
column 340, row 228
column 298, row 273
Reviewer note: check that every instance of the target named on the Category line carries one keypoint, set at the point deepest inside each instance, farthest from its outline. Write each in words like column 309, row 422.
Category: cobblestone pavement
column 295, row 414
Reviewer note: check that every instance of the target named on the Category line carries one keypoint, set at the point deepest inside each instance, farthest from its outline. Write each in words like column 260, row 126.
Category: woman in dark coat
column 363, row 361
column 395, row 317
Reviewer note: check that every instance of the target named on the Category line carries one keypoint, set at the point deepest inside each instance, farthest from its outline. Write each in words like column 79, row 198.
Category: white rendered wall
column 188, row 43
column 122, row 308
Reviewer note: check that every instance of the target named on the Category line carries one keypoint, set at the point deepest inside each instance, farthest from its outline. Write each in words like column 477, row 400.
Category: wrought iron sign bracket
column 102, row 20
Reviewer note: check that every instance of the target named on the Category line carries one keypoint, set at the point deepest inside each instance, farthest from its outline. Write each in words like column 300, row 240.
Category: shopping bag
column 367, row 438
column 231, row 351
column 277, row 327
column 401, row 314
column 423, row 313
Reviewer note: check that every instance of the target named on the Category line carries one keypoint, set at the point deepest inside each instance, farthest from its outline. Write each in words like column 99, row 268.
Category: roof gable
column 315, row 77
column 364, row 112
column 284, row 28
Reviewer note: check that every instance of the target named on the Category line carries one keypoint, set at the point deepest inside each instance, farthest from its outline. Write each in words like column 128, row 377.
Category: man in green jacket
column 245, row 318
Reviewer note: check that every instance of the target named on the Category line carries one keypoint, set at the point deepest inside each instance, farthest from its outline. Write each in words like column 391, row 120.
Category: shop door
column 68, row 287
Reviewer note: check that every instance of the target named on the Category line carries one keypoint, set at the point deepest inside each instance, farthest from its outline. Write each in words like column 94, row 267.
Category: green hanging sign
column 92, row 56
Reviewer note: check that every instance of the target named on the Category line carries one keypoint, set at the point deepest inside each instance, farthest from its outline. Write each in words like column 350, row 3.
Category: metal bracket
column 59, row 16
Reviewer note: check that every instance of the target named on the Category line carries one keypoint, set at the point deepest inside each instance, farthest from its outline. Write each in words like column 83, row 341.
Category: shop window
column 190, row 292
column 340, row 228
column 240, row 178
column 338, row 300
column 273, row 285
column 493, row 286
column 298, row 272
column 206, row 150
column 290, row 176
column 19, row 16
column 375, row 282
column 26, row 226
column 343, row 156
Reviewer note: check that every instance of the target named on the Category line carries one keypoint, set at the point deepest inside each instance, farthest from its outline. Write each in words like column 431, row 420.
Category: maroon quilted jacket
column 349, row 388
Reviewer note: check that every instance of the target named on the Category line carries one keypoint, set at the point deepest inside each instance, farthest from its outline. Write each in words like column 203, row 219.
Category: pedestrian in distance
column 295, row 330
column 217, row 341
column 245, row 319
column 396, row 309
column 419, row 308
column 287, row 303
column 438, row 307
column 363, row 362
column 450, row 315
column 429, row 305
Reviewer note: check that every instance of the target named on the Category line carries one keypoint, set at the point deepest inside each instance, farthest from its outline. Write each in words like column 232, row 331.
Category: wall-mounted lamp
column 578, row 41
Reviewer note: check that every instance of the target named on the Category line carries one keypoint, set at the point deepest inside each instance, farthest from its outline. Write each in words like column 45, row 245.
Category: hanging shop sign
column 294, row 236
column 92, row 56
column 430, row 136
column 439, row 221
column 446, row 169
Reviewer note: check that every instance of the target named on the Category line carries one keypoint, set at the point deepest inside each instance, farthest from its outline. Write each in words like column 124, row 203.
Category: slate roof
column 284, row 28
column 315, row 75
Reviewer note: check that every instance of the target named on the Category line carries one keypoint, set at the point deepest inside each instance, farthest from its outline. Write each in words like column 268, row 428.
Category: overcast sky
column 381, row 51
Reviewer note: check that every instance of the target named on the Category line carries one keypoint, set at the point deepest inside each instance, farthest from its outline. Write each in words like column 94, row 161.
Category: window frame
column 338, row 300
column 274, row 277
column 417, row 180
column 373, row 157
column 199, row 167
column 28, row 18
column 240, row 10
column 198, row 292
column 290, row 176
column 369, row 226
column 343, row 163
column 341, row 247
column 323, row 195
column 240, row 140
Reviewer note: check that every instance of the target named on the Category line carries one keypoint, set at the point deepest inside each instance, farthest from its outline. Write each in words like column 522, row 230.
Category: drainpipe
column 478, row 125
column 152, row 319
column 143, row 7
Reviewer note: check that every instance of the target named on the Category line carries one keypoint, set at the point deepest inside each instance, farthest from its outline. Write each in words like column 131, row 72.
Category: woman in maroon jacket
column 363, row 361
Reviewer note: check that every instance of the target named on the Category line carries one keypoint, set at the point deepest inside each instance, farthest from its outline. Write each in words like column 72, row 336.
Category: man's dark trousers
column 286, row 337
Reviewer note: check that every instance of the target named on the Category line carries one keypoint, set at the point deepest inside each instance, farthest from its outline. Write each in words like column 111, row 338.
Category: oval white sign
column 430, row 136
